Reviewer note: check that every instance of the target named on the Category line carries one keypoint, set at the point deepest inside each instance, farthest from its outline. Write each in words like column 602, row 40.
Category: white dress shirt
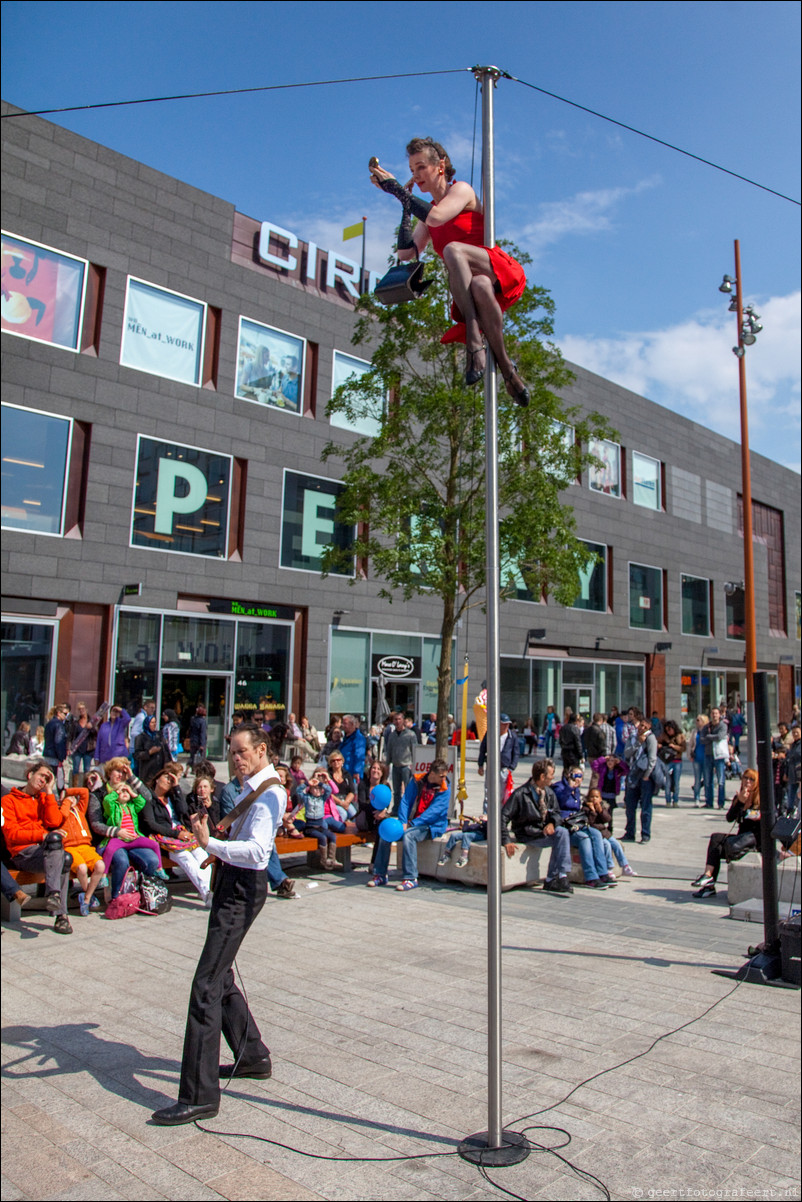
column 252, row 834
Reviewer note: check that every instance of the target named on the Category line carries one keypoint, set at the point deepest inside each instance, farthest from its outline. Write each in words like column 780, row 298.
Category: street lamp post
column 748, row 329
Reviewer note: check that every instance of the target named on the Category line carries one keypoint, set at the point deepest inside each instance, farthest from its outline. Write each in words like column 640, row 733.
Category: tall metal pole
column 749, row 557
column 493, row 1147
column 489, row 75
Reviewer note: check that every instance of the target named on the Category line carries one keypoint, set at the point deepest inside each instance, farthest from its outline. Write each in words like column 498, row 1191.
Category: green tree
column 416, row 491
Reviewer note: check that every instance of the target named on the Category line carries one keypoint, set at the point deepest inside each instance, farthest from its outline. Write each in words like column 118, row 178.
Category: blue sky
column 631, row 238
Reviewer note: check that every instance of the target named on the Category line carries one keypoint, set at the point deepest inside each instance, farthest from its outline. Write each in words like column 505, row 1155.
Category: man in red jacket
column 31, row 816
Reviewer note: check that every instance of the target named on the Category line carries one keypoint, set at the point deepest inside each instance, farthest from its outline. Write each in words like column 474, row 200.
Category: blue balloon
column 391, row 830
column 381, row 797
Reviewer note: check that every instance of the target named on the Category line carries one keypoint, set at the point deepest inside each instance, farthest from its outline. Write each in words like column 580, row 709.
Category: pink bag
column 123, row 904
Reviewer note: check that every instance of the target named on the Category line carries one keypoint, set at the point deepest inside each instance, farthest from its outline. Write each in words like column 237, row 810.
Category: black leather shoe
column 260, row 1070
column 174, row 1116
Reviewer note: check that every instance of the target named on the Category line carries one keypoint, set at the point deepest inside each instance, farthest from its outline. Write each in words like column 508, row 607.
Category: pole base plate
column 514, row 1148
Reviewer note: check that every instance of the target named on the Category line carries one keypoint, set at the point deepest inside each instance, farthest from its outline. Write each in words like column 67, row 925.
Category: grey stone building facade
column 167, row 362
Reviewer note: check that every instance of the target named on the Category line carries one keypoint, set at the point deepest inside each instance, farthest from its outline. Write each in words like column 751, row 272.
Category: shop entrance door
column 182, row 691
column 579, row 699
column 400, row 695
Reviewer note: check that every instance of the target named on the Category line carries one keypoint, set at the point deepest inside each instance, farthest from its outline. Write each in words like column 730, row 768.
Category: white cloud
column 584, row 213
column 690, row 367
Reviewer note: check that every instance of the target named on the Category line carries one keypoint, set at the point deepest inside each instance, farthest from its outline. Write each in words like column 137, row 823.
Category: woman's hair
column 335, row 755
column 674, row 728
column 750, row 774
column 703, row 718
column 119, row 762
column 23, row 726
column 433, row 151
column 40, row 733
column 385, row 769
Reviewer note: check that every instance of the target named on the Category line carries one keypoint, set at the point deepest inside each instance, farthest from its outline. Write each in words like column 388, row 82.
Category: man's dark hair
column 34, row 766
column 254, row 733
column 540, row 768
column 438, row 766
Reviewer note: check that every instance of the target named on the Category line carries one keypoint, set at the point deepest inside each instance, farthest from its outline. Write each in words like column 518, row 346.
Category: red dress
column 510, row 277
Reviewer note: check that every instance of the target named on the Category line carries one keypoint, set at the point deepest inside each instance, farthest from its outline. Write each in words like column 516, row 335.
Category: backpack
column 153, row 894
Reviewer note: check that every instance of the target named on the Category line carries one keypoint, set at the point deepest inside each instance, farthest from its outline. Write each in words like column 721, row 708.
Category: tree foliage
column 416, row 491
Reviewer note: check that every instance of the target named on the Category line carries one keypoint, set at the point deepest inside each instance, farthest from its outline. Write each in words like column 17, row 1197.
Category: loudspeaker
column 785, row 830
column 404, row 282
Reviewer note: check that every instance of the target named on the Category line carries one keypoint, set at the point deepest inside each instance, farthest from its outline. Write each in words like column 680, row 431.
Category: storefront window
column 43, row 293
column 310, row 523
column 546, row 688
column 350, row 672
column 645, row 597
column 137, row 666
column 263, row 661
column 515, row 690
column 162, row 333
column 198, row 644
column 608, row 688
column 36, row 454
column 646, row 481
column 632, row 689
column 593, row 581
column 695, row 605
column 25, row 666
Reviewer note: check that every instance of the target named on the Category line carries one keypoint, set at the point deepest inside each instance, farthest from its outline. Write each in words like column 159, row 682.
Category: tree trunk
column 444, row 678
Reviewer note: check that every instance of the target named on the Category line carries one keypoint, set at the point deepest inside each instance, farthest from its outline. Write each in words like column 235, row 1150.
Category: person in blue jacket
column 588, row 841
column 353, row 747
column 424, row 813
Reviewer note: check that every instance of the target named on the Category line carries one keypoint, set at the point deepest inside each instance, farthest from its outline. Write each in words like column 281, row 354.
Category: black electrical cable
column 276, row 87
column 660, row 141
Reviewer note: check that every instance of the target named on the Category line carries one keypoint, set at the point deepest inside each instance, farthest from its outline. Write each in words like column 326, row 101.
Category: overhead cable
column 660, row 141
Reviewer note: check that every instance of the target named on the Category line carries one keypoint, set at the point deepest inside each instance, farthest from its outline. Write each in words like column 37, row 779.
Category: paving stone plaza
column 374, row 1006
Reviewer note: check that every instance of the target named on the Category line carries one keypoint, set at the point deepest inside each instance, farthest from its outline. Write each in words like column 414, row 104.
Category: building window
column 163, row 333
column 767, row 528
column 593, row 581
column 181, row 499
column 645, row 597
column 695, row 605
column 368, row 419
column 607, row 477
column 35, row 457
column 309, row 523
column 646, row 481
column 27, row 671
column 736, row 612
column 270, row 366
column 554, row 454
column 43, row 293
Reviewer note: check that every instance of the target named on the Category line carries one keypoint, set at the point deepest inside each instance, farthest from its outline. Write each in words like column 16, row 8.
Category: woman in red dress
column 484, row 280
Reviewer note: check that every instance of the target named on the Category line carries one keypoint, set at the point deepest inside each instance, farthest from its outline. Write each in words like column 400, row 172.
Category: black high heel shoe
column 472, row 374
column 519, row 395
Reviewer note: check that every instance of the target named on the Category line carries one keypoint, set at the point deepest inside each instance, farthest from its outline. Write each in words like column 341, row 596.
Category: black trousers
column 216, row 1004
column 727, row 847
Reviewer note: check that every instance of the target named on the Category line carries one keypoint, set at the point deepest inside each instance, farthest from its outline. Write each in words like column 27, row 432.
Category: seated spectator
column 367, row 817
column 343, row 784
column 297, row 773
column 310, row 737
column 584, row 838
column 203, row 799
column 424, row 813
column 332, row 745
column 166, row 818
column 471, row 832
column 9, row 888
column 122, row 806
column 38, row 742
column 151, row 750
column 112, row 736
column 600, row 818
column 531, row 814
column 31, row 818
column 313, row 797
column 87, row 865
column 607, row 775
column 21, row 741
column 745, row 810
column 142, row 859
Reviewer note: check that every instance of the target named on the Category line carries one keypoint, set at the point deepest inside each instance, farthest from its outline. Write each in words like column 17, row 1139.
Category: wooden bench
column 294, row 847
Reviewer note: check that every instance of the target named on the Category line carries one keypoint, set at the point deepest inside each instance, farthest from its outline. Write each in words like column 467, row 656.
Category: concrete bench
column 526, row 867
column 745, row 879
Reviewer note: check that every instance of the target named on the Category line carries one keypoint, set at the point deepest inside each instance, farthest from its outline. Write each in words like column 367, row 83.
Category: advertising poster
column 42, row 293
column 162, row 333
column 607, row 478
column 270, row 366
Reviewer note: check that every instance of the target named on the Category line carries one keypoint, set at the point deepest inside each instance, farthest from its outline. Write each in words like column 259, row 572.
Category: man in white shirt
column 216, row 1004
